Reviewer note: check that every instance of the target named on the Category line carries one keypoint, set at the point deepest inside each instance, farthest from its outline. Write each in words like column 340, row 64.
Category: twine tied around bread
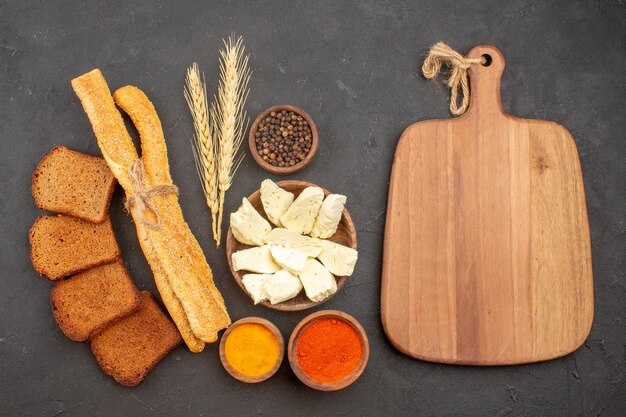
column 440, row 54
column 142, row 198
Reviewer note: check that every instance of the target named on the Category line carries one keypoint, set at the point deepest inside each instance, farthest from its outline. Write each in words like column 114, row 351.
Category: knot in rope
column 142, row 198
column 441, row 54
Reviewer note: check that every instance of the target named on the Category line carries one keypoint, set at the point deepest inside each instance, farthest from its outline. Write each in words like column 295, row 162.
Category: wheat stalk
column 229, row 115
column 203, row 142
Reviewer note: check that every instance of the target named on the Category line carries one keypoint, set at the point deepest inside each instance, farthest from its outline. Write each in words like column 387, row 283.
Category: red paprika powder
column 329, row 350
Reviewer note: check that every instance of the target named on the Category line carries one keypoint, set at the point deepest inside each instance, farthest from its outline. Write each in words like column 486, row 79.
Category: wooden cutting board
column 487, row 255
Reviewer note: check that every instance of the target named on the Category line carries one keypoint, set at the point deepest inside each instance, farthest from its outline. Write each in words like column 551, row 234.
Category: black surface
column 353, row 67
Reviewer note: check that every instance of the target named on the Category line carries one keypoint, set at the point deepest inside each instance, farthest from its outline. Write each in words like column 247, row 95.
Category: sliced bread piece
column 73, row 183
column 63, row 245
column 129, row 348
column 89, row 301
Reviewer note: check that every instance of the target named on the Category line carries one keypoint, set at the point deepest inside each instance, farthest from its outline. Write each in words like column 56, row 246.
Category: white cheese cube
column 290, row 259
column 275, row 201
column 339, row 259
column 254, row 285
column 318, row 282
column 329, row 216
column 302, row 213
column 248, row 226
column 255, row 260
column 288, row 239
column 281, row 286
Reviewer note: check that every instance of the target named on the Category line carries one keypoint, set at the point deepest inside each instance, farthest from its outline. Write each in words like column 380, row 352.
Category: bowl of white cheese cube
column 291, row 245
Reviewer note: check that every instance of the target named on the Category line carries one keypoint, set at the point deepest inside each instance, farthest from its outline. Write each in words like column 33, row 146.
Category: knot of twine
column 439, row 54
column 142, row 198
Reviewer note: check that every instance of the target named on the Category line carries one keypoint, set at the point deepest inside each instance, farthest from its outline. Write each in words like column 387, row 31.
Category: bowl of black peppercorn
column 283, row 139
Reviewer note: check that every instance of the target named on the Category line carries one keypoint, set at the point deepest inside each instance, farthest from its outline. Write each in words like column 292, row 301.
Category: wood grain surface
column 345, row 235
column 487, row 255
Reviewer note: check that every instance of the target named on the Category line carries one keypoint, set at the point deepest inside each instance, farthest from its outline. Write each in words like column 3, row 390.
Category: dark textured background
column 353, row 67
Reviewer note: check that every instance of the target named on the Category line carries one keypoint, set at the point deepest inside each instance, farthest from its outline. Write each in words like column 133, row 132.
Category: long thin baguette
column 163, row 249
column 172, row 303
column 154, row 154
column 120, row 153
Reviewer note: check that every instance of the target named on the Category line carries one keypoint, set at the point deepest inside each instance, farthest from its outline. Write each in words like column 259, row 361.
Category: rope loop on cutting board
column 441, row 54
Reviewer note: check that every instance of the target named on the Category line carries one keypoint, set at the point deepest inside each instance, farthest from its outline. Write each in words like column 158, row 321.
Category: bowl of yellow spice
column 252, row 349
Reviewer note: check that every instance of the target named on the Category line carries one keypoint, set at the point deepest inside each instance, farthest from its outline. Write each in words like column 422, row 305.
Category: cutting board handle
column 485, row 82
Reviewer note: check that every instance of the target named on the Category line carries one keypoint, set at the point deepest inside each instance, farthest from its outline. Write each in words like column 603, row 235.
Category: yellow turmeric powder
column 251, row 349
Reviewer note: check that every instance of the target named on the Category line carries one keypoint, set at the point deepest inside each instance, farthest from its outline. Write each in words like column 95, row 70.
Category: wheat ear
column 203, row 142
column 231, row 119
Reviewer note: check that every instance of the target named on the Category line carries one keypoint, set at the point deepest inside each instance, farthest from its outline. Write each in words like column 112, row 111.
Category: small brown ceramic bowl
column 292, row 350
column 281, row 345
column 291, row 169
column 345, row 235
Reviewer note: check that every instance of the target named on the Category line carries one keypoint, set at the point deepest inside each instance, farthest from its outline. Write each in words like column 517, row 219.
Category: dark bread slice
column 129, row 348
column 63, row 245
column 89, row 301
column 73, row 183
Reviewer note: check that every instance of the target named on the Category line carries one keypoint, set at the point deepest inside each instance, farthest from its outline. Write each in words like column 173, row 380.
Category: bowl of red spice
column 328, row 350
column 283, row 139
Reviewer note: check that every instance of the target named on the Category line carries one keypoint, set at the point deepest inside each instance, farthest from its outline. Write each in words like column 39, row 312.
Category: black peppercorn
column 283, row 138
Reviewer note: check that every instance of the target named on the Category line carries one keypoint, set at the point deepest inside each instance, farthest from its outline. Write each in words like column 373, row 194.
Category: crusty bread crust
column 74, row 184
column 181, row 271
column 154, row 154
column 172, row 304
column 156, row 168
column 91, row 300
column 129, row 349
column 120, row 153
